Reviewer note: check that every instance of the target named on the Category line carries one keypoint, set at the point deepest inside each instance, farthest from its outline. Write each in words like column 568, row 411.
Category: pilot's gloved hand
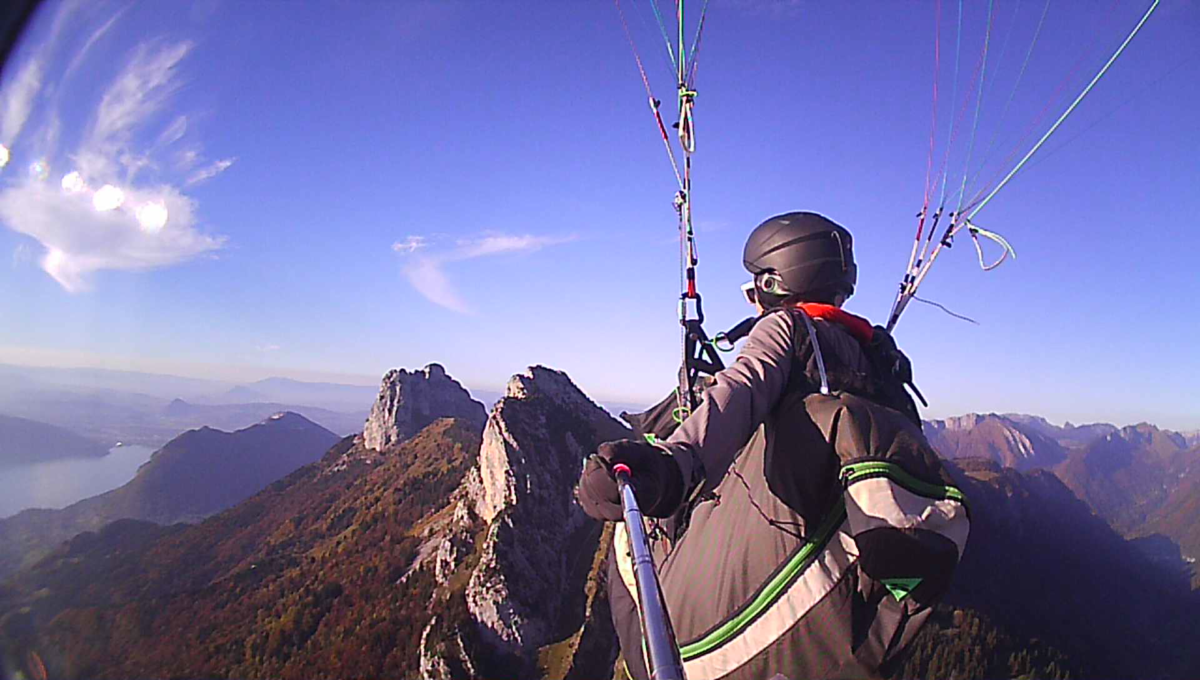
column 657, row 480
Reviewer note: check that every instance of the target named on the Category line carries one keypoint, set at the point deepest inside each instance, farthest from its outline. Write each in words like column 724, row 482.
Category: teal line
column 1057, row 123
column 662, row 27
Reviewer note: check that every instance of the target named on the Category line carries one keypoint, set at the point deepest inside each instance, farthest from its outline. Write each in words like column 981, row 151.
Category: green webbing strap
column 853, row 472
column 775, row 588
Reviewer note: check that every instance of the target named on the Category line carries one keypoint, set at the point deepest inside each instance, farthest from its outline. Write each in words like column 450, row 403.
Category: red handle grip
column 621, row 467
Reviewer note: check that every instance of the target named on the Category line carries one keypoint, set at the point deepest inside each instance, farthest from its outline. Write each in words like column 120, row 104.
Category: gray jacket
column 744, row 394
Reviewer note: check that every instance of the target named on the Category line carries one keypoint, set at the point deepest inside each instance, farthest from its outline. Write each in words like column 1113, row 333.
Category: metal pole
column 656, row 624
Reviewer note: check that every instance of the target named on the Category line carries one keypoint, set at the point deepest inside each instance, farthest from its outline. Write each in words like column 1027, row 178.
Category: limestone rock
column 410, row 401
column 532, row 454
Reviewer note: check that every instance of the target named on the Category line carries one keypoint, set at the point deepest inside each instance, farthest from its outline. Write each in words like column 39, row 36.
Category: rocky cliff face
column 1069, row 434
column 408, row 402
column 527, row 595
column 999, row 438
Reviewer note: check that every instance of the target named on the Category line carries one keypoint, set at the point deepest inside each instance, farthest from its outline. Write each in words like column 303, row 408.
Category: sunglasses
column 749, row 293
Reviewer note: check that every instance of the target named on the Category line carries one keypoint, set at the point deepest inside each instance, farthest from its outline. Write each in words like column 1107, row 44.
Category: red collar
column 859, row 327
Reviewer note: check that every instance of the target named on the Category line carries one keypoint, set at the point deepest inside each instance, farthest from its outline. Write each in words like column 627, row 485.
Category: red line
column 937, row 66
column 962, row 109
column 633, row 46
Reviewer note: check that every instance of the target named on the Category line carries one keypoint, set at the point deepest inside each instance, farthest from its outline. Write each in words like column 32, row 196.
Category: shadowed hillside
column 25, row 441
column 198, row 473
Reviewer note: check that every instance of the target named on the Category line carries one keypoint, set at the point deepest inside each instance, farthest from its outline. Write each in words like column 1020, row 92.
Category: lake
column 59, row 483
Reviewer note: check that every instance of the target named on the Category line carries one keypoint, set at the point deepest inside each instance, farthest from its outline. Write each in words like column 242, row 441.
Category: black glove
column 657, row 480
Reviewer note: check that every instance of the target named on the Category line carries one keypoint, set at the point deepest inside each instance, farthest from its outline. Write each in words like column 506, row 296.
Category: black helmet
column 809, row 254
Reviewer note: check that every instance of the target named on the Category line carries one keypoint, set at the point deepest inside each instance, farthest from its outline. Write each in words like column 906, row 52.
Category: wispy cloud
column 410, row 244
column 99, row 33
column 139, row 92
column 16, row 100
column 427, row 272
column 211, row 170
column 267, row 348
column 21, row 255
column 144, row 220
column 497, row 244
column 173, row 132
column 427, row 277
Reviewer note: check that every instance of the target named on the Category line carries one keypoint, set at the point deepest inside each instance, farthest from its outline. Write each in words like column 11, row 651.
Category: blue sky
column 357, row 186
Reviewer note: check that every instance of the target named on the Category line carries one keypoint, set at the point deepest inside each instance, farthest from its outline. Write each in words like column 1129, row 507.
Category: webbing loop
column 1007, row 249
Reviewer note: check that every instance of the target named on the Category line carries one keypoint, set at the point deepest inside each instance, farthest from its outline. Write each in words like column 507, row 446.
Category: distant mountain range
column 141, row 408
column 181, row 415
column 329, row 396
column 1140, row 479
column 112, row 405
column 1000, row 438
column 25, row 441
column 198, row 473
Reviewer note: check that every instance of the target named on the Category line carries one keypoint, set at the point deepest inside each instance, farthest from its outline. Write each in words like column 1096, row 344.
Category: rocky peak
column 1191, row 437
column 289, row 420
column 535, row 442
column 526, row 591
column 409, row 401
column 1009, row 442
column 1147, row 436
column 958, row 423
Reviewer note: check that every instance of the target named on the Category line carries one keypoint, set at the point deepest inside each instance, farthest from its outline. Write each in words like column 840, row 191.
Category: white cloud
column 16, row 100
column 268, row 348
column 80, row 240
column 410, row 244
column 211, row 170
column 427, row 274
column 124, row 140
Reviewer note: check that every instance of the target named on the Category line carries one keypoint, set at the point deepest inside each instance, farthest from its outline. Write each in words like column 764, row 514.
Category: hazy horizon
column 927, row 414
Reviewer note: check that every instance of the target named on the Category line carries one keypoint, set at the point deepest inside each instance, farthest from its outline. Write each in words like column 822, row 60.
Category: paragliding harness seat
column 822, row 550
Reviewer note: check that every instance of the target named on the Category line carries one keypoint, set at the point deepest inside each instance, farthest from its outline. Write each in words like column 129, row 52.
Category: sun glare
column 152, row 217
column 108, row 197
column 72, row 182
column 3, row 155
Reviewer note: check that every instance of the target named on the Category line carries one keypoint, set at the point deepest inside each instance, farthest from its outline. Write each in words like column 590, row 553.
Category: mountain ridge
column 24, row 442
column 198, row 473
